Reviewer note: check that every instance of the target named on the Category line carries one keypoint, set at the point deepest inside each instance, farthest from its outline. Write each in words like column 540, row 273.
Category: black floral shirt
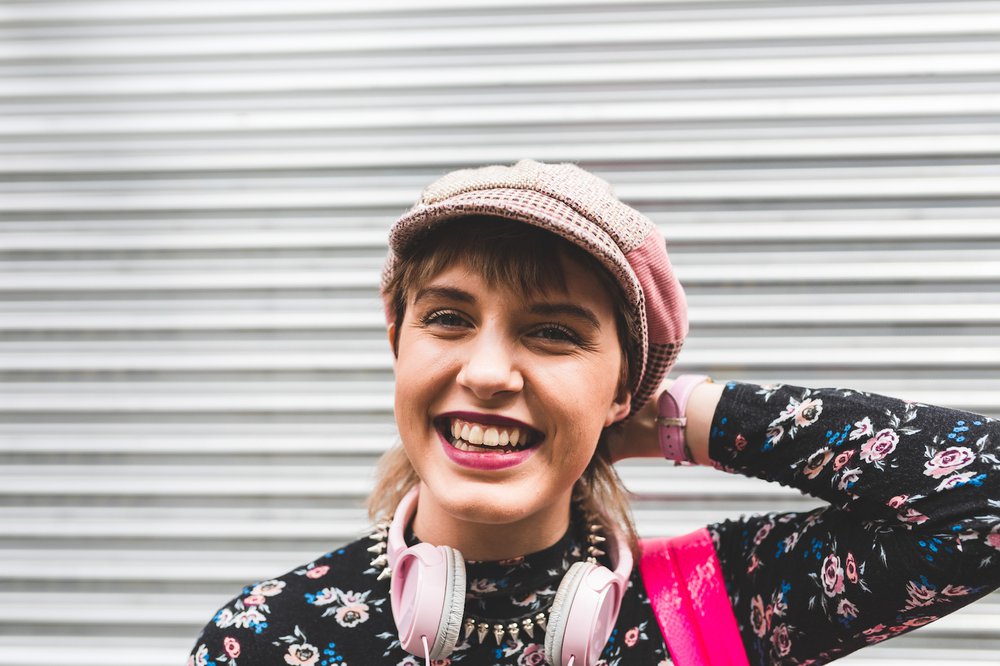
column 911, row 533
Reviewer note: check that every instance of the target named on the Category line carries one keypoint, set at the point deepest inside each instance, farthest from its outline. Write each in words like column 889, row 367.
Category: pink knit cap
column 580, row 207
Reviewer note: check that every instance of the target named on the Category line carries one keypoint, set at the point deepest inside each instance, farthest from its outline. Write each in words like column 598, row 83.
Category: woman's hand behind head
column 637, row 437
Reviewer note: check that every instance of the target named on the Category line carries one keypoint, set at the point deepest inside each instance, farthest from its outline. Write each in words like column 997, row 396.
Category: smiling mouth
column 476, row 437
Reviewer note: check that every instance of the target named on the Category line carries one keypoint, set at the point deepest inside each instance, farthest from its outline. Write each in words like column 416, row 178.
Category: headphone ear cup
column 454, row 610
column 427, row 593
column 583, row 614
column 555, row 628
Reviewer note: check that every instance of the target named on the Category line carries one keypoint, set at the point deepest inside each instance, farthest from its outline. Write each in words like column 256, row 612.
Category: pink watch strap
column 671, row 421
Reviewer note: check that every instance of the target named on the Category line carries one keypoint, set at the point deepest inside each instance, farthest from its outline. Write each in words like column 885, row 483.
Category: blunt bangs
column 507, row 254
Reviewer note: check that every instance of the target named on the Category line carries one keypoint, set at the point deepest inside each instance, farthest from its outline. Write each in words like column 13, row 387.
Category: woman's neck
column 493, row 540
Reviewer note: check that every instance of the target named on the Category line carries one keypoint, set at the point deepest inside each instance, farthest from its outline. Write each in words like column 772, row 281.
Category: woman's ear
column 393, row 340
column 619, row 409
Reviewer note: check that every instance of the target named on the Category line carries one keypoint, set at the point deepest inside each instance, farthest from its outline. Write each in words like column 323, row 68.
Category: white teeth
column 465, row 434
column 475, row 435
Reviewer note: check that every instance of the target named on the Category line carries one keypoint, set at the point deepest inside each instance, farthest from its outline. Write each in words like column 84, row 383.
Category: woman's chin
column 488, row 503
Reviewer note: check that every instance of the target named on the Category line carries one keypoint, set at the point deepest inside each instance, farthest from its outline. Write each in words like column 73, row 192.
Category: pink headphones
column 428, row 597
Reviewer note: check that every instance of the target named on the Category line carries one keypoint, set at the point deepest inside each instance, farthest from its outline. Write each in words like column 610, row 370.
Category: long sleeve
column 911, row 533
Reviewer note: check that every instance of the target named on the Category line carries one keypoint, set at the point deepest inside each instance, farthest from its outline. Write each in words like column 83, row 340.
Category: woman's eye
column 557, row 334
column 444, row 318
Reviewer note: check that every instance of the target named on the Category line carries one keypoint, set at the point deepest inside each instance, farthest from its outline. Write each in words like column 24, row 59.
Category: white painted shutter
column 194, row 380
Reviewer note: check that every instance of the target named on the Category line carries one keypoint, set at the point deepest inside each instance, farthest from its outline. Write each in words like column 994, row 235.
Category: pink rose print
column 898, row 501
column 862, row 428
column 758, row 618
column 762, row 533
column 231, row 646
column 876, row 638
column 441, row 662
column 920, row 595
column 955, row 591
column 778, row 608
column 317, row 572
column 631, row 636
column 833, row 576
column 774, row 434
column 846, row 609
column 740, row 443
column 533, row 655
column 817, row 461
column 482, row 585
column 754, row 563
column 255, row 600
column 877, row 629
column 911, row 515
column 950, row 460
column 302, row 655
column 808, row 412
column 352, row 615
column 851, row 568
column 955, row 480
column 920, row 621
column 843, row 458
column 851, row 476
column 781, row 641
column 993, row 539
column 879, row 446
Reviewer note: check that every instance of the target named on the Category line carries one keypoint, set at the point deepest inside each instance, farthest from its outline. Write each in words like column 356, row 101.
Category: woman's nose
column 490, row 369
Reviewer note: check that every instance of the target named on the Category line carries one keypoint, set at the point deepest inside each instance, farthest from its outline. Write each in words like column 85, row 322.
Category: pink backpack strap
column 684, row 582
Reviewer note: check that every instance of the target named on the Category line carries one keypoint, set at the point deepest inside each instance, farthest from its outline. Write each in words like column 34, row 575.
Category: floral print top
column 911, row 533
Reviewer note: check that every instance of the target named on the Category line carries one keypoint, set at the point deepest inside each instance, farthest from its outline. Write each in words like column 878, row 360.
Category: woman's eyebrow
column 546, row 309
column 445, row 293
column 571, row 309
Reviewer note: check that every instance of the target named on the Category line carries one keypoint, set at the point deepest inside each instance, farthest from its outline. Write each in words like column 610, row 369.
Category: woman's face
column 481, row 368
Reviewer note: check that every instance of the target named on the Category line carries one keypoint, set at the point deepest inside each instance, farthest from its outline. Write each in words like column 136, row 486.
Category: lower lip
column 485, row 461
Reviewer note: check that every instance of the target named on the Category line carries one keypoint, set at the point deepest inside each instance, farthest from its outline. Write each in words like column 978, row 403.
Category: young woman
column 533, row 318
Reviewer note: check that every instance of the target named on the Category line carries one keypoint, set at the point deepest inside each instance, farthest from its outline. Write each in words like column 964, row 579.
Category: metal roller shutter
column 194, row 381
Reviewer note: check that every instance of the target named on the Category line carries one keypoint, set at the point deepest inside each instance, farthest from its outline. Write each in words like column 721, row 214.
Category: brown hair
column 517, row 256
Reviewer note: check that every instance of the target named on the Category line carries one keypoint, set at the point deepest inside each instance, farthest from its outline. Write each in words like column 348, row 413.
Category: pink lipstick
column 484, row 459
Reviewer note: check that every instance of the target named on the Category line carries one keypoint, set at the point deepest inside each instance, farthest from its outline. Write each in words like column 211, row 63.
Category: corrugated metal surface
column 193, row 199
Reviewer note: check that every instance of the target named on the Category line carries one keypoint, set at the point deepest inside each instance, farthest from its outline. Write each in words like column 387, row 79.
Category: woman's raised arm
column 911, row 533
